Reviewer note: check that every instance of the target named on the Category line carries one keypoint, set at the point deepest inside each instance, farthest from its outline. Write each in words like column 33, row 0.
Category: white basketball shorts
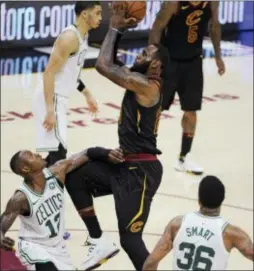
column 30, row 253
column 49, row 140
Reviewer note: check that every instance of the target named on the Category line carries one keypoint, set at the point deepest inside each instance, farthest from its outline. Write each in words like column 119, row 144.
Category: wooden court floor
column 223, row 146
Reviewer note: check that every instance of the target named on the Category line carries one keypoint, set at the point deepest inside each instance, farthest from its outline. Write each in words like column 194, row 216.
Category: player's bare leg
column 189, row 122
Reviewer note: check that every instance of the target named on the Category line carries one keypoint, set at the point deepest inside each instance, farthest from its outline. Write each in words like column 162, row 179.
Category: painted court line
column 182, row 197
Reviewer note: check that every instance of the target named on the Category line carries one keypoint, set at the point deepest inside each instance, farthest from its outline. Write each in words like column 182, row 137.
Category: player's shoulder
column 58, row 165
column 68, row 35
column 68, row 38
column 174, row 226
column 59, row 169
column 18, row 196
column 233, row 231
column 17, row 202
column 176, row 222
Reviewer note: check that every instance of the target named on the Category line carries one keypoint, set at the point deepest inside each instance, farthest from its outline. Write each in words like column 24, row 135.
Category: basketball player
column 134, row 182
column 202, row 240
column 181, row 26
column 39, row 202
column 61, row 76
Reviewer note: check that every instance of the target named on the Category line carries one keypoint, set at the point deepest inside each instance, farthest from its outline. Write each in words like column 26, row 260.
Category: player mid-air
column 39, row 203
column 60, row 78
column 181, row 27
column 134, row 182
column 202, row 240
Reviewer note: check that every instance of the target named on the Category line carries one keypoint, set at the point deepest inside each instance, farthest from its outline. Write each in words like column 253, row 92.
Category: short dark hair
column 211, row 192
column 14, row 162
column 83, row 5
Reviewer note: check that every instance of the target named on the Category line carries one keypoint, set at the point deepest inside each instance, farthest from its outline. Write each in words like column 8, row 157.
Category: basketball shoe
column 100, row 250
column 185, row 165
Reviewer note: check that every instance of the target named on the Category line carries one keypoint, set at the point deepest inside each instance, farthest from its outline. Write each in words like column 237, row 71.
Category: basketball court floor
column 223, row 146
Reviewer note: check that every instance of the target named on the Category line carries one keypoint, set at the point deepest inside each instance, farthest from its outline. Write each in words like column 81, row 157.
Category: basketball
column 136, row 9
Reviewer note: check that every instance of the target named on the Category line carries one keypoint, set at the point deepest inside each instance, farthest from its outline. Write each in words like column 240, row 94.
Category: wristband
column 81, row 86
column 98, row 153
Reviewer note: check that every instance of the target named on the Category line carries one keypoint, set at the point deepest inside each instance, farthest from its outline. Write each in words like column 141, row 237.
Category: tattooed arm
column 116, row 59
column 164, row 246
column 17, row 205
column 168, row 8
column 63, row 167
column 241, row 241
column 121, row 76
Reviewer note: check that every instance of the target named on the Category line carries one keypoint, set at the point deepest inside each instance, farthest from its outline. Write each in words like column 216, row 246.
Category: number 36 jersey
column 45, row 223
column 199, row 243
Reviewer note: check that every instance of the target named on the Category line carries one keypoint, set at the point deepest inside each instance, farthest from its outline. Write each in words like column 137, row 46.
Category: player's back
column 199, row 243
column 185, row 31
column 45, row 223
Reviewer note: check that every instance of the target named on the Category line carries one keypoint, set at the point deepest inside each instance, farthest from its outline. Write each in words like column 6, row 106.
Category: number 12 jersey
column 45, row 223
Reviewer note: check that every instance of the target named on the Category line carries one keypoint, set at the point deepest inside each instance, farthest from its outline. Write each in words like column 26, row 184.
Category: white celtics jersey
column 66, row 78
column 199, row 244
column 45, row 224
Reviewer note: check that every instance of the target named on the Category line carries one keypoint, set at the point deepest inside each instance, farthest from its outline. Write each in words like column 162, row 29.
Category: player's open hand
column 221, row 66
column 116, row 156
column 50, row 121
column 7, row 243
column 118, row 19
column 92, row 105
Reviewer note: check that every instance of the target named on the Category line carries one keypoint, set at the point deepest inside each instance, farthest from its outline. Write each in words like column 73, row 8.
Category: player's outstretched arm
column 17, row 205
column 63, row 167
column 168, row 8
column 241, row 241
column 164, row 246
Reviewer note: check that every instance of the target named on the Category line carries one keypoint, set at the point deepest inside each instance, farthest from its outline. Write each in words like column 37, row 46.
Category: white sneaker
column 100, row 250
column 188, row 166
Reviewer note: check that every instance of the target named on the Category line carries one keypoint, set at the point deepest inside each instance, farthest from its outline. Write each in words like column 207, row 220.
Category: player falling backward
column 202, row 240
column 181, row 26
column 39, row 203
column 61, row 76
